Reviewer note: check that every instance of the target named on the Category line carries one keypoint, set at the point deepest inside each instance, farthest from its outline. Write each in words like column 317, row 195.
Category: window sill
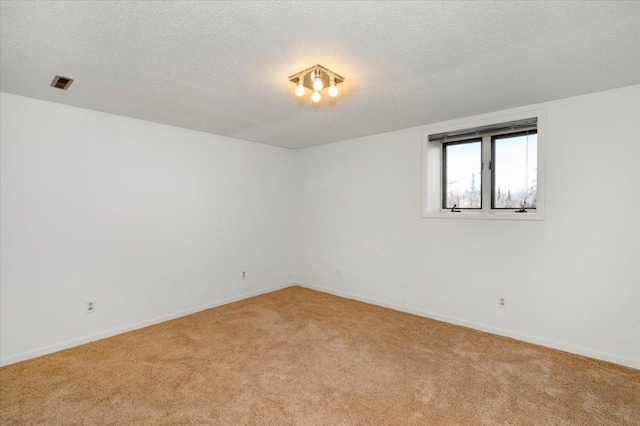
column 530, row 215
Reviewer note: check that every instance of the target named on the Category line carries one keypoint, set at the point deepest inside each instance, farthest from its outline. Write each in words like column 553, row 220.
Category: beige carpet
column 297, row 356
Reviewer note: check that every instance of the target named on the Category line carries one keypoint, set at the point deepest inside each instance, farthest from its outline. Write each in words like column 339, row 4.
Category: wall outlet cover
column 502, row 302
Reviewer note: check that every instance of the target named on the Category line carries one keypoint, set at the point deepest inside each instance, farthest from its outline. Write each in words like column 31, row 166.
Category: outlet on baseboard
column 90, row 307
column 502, row 302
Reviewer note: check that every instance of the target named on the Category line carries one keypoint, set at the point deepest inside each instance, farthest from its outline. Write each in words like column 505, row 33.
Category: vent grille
column 60, row 82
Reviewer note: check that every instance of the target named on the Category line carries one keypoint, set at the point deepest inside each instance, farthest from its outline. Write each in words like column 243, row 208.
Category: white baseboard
column 109, row 333
column 489, row 329
column 486, row 328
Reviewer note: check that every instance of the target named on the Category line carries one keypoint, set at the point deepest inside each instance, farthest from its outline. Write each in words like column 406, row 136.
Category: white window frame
column 432, row 172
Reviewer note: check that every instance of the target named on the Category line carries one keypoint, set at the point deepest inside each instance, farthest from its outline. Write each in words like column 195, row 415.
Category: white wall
column 149, row 221
column 572, row 281
column 153, row 221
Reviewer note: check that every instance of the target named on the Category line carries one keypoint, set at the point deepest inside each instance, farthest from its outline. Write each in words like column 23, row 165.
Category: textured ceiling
column 222, row 67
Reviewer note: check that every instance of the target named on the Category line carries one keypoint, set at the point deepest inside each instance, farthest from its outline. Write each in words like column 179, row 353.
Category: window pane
column 462, row 183
column 515, row 171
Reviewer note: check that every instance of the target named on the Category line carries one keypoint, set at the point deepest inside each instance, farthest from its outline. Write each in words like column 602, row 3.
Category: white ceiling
column 222, row 67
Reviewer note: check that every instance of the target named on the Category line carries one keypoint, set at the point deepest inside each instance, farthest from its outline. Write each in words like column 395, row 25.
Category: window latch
column 521, row 210
column 453, row 209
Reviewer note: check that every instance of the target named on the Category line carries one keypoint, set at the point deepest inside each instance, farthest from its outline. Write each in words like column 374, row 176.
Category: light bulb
column 300, row 88
column 333, row 91
column 315, row 96
column 317, row 84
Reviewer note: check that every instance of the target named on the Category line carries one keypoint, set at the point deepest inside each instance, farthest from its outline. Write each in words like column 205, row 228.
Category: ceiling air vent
column 61, row 82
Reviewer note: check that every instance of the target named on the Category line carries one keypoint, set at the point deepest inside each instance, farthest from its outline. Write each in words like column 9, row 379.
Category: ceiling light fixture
column 300, row 87
column 317, row 82
column 316, row 78
column 333, row 90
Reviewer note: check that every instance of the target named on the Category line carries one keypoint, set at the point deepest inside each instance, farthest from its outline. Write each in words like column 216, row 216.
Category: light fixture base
column 325, row 75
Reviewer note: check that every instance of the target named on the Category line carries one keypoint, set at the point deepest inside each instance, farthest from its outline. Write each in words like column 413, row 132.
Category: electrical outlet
column 338, row 273
column 90, row 307
column 244, row 275
column 502, row 302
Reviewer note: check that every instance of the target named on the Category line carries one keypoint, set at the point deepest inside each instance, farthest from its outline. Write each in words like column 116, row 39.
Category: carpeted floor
column 298, row 356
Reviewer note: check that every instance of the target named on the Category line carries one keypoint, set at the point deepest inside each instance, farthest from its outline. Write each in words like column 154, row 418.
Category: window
column 485, row 171
column 462, row 168
column 514, row 171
